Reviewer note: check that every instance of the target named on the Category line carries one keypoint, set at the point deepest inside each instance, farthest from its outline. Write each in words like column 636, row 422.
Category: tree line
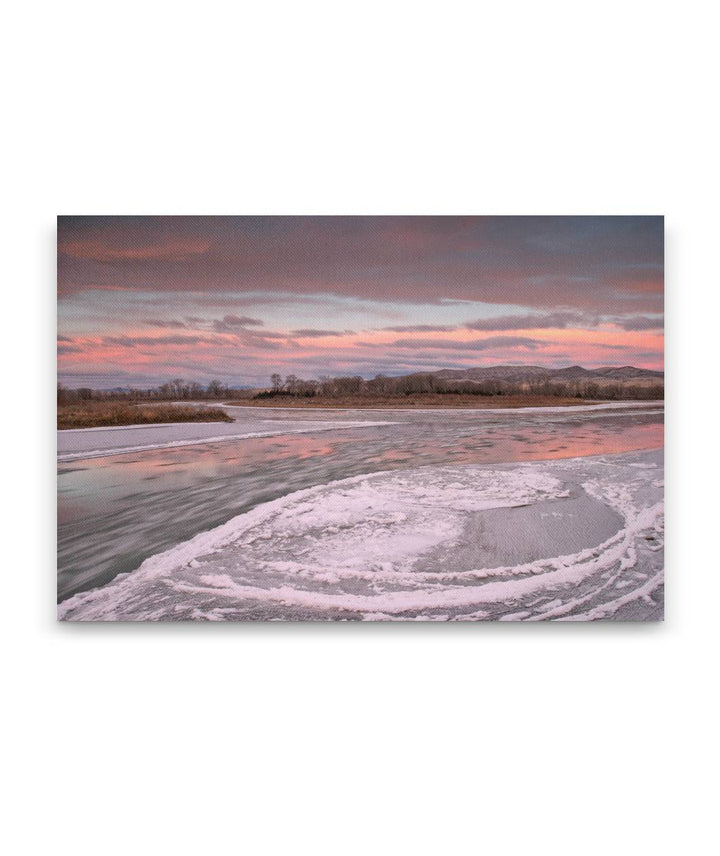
column 173, row 390
column 381, row 385
column 418, row 384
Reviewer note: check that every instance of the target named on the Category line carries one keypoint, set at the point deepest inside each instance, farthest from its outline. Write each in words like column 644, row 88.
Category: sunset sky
column 142, row 300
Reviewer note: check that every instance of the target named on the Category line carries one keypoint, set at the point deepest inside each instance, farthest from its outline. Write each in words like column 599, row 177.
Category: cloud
column 648, row 355
column 552, row 320
column 612, row 347
column 176, row 325
column 310, row 333
column 421, row 328
column 142, row 341
column 230, row 323
column 242, row 321
column 564, row 319
column 585, row 263
column 473, row 345
column 115, row 247
column 638, row 322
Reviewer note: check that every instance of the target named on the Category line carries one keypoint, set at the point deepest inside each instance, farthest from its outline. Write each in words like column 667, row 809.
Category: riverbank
column 102, row 414
column 381, row 402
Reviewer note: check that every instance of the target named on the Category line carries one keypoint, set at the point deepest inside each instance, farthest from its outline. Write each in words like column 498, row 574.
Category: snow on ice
column 577, row 539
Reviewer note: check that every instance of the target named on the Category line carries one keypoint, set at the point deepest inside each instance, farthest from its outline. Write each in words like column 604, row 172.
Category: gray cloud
column 421, row 328
column 587, row 263
column 230, row 323
column 474, row 345
column 646, row 355
column 563, row 319
column 142, row 341
column 242, row 321
column 638, row 322
column 317, row 334
column 172, row 324
column 554, row 320
column 266, row 334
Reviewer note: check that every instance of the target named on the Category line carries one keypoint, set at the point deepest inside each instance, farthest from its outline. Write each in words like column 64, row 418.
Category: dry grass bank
column 366, row 402
column 96, row 414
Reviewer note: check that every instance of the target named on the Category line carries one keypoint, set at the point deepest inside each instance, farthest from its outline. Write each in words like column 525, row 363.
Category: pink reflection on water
column 204, row 457
column 490, row 445
column 535, row 445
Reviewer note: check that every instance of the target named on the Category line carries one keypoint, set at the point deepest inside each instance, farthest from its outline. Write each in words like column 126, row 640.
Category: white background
column 359, row 739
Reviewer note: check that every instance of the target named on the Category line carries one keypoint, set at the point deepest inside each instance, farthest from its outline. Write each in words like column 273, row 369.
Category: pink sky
column 143, row 300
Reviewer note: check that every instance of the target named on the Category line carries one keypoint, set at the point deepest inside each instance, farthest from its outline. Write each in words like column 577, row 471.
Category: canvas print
column 360, row 418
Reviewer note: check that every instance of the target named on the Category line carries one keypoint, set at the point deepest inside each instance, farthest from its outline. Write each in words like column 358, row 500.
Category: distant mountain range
column 525, row 374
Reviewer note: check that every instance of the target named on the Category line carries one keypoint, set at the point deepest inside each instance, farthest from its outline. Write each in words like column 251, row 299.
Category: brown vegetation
column 439, row 389
column 95, row 414
column 365, row 402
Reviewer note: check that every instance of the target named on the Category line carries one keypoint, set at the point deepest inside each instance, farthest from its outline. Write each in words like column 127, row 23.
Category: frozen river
column 374, row 546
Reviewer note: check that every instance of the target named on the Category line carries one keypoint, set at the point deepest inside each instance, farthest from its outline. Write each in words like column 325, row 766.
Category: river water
column 172, row 482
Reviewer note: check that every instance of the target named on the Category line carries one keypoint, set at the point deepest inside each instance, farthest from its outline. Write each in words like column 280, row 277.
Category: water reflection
column 114, row 512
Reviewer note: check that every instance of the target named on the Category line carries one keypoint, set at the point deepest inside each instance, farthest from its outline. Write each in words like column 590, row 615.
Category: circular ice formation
column 395, row 545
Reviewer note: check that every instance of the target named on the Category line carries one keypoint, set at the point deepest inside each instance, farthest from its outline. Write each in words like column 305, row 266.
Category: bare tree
column 214, row 388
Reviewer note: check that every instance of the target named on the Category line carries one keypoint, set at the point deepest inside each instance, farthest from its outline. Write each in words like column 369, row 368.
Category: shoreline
column 430, row 402
column 585, row 406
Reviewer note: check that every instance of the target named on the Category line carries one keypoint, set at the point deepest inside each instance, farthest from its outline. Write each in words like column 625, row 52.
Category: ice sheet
column 423, row 543
column 79, row 443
